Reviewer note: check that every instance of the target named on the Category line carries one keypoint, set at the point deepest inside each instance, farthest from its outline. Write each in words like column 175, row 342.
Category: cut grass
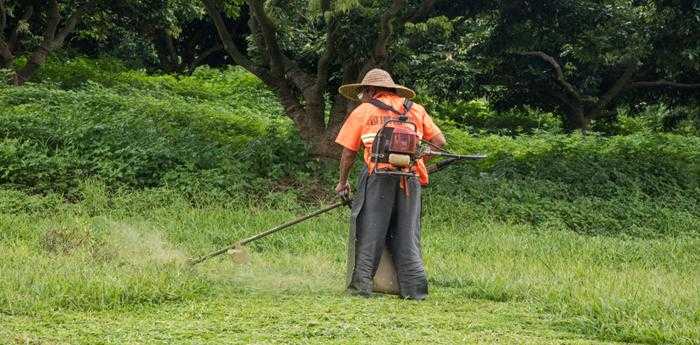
column 264, row 317
column 90, row 275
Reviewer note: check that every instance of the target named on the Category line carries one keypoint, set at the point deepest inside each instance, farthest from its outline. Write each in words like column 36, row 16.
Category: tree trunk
column 340, row 109
column 37, row 59
column 324, row 146
column 6, row 56
column 318, row 134
column 312, row 129
column 576, row 119
column 165, row 51
column 302, row 93
column 54, row 37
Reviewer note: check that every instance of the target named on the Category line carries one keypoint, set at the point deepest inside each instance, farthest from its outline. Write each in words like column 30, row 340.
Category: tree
column 579, row 57
column 305, row 50
column 433, row 56
column 176, row 30
column 48, row 22
column 37, row 28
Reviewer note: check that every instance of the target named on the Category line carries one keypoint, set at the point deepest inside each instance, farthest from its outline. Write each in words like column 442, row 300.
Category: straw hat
column 379, row 78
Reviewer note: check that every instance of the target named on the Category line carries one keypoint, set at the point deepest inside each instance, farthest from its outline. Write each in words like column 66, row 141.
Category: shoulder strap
column 407, row 104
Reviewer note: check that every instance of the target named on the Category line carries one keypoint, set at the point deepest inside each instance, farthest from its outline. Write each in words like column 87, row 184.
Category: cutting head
column 239, row 254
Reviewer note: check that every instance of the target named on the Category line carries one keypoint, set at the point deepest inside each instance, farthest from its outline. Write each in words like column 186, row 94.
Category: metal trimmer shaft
column 268, row 232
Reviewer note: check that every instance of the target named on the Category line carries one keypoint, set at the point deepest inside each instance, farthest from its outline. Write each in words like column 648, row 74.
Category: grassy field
column 111, row 270
column 111, row 178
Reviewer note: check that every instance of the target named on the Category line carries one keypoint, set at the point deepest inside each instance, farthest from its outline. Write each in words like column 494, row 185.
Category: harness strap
column 407, row 104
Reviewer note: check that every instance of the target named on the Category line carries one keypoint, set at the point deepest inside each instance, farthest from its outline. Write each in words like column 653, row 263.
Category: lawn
column 116, row 274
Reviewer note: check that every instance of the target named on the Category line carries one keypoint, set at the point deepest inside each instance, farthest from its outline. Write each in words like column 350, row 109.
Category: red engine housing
column 403, row 140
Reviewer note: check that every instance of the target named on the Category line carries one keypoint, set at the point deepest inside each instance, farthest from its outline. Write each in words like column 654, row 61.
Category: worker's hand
column 343, row 188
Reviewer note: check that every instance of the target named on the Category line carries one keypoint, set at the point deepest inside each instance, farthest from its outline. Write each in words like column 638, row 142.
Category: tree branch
column 3, row 19
column 280, row 64
column 558, row 94
column 170, row 50
column 659, row 83
column 325, row 59
column 268, row 31
column 559, row 77
column 205, row 54
column 72, row 22
column 342, row 106
column 420, row 12
column 309, row 126
column 5, row 52
column 286, row 77
column 258, row 39
column 54, row 20
column 619, row 85
column 230, row 47
column 14, row 35
column 385, row 31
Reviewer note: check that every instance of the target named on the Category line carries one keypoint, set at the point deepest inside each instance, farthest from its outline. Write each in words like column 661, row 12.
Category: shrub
column 477, row 116
column 652, row 118
column 150, row 134
column 639, row 184
column 218, row 135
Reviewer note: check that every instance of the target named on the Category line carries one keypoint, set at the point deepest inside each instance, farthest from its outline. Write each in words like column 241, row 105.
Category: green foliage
column 71, row 73
column 594, row 42
column 642, row 185
column 131, row 130
column 477, row 116
column 653, row 118
column 218, row 135
column 433, row 56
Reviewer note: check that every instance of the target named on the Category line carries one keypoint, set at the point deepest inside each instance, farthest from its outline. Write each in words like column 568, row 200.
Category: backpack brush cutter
column 396, row 148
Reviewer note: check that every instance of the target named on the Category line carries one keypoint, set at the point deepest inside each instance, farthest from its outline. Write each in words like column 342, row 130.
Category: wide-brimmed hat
column 379, row 78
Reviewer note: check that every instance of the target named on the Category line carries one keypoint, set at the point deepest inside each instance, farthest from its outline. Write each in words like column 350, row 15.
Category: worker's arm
column 439, row 141
column 347, row 158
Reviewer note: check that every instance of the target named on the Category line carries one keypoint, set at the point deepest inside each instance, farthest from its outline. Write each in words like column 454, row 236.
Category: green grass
column 103, row 272
column 110, row 179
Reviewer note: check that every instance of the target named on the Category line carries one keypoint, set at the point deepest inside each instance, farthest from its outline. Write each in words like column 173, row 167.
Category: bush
column 644, row 185
column 140, row 132
column 652, row 118
column 218, row 135
column 477, row 116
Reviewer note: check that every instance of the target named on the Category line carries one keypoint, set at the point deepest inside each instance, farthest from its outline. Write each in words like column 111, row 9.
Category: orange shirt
column 364, row 122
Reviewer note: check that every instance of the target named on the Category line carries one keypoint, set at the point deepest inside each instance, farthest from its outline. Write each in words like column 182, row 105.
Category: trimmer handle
column 346, row 197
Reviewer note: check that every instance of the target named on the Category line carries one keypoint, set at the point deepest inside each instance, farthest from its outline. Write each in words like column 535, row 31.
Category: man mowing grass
column 386, row 209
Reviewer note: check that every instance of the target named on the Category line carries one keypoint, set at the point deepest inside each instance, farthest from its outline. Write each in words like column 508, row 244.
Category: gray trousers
column 384, row 215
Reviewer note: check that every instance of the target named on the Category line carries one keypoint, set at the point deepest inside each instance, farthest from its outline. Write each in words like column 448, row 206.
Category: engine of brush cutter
column 396, row 143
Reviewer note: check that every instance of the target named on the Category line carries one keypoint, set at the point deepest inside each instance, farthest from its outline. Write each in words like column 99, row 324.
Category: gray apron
column 384, row 253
